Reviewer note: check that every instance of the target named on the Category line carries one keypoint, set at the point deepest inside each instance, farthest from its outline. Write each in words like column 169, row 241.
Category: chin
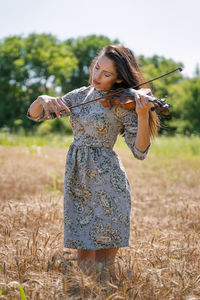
column 97, row 88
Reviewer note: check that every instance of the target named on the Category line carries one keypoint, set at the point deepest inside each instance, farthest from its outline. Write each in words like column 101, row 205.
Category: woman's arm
column 135, row 123
column 46, row 107
column 143, row 106
column 142, row 141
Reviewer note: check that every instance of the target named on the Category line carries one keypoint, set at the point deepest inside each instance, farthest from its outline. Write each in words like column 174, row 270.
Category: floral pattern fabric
column 97, row 200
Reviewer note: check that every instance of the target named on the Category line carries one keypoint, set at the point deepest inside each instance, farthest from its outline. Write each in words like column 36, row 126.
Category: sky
column 169, row 28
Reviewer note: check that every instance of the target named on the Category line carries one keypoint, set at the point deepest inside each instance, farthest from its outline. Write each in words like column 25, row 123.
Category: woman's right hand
column 54, row 103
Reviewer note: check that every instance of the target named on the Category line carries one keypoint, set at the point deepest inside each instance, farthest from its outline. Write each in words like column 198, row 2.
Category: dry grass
column 163, row 261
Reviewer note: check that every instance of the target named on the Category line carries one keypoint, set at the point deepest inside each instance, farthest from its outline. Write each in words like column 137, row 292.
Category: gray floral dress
column 97, row 199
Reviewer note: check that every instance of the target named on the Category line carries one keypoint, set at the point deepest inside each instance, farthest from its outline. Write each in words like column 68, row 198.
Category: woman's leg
column 104, row 259
column 106, row 256
column 86, row 259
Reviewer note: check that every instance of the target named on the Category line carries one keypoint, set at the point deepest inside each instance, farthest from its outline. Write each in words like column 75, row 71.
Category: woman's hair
column 129, row 72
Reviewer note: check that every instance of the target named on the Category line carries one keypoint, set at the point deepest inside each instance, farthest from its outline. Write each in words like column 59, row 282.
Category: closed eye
column 105, row 74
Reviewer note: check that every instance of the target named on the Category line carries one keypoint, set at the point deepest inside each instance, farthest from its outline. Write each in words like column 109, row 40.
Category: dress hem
column 81, row 248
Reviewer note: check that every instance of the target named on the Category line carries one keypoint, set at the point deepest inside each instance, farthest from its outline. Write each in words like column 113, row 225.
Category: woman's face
column 104, row 74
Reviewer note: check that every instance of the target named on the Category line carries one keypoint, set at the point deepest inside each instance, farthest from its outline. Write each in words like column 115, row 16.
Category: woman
column 97, row 200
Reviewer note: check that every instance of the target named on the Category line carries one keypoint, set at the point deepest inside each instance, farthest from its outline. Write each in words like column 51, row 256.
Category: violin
column 125, row 98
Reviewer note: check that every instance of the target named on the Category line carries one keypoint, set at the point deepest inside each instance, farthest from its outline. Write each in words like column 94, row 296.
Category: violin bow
column 119, row 91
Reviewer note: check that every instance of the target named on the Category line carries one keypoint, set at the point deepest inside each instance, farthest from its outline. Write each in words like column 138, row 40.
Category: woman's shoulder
column 76, row 93
column 83, row 89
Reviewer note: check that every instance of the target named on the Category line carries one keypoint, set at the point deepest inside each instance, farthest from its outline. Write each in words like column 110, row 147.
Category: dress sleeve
column 68, row 99
column 129, row 123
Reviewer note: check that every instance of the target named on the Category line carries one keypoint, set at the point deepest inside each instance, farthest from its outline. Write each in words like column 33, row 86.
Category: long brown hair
column 129, row 72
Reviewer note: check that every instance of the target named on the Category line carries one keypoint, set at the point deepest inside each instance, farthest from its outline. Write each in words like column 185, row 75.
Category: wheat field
column 162, row 262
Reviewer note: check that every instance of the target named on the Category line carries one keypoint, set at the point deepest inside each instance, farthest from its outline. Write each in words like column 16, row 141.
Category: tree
column 186, row 103
column 12, row 79
column 30, row 67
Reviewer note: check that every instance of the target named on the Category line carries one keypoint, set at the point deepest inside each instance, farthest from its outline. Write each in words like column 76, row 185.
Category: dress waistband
column 92, row 144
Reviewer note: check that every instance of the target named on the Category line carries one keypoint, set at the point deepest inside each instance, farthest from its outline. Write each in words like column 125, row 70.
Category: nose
column 97, row 75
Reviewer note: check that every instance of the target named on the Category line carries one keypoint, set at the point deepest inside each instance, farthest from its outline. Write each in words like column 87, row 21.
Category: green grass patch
column 177, row 146
column 56, row 140
column 180, row 146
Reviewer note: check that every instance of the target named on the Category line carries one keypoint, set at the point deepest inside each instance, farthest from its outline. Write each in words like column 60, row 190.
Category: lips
column 95, row 82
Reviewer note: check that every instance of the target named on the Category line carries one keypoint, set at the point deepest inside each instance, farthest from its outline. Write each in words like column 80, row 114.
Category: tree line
column 42, row 64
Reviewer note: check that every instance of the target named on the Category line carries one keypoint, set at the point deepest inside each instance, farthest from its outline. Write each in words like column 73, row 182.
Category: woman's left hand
column 142, row 105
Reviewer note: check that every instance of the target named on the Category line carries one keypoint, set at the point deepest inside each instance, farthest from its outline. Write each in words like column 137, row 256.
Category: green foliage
column 49, row 61
column 186, row 106
column 30, row 67
column 12, row 79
